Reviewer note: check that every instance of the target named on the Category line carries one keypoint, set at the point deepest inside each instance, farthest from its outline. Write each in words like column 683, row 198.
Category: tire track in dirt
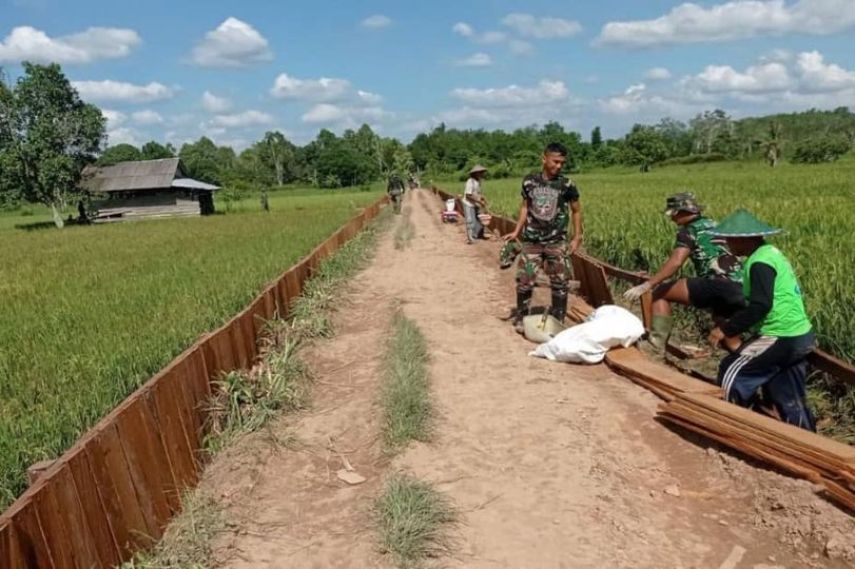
column 550, row 465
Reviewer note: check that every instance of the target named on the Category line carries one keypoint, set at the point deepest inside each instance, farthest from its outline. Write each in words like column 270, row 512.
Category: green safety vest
column 787, row 317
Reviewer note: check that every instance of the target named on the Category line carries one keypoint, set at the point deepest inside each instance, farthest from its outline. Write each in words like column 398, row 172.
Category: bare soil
column 549, row 465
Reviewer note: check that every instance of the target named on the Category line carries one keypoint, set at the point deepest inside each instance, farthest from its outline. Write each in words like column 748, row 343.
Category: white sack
column 607, row 327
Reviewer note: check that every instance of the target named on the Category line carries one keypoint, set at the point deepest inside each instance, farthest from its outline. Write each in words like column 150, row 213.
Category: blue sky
column 173, row 71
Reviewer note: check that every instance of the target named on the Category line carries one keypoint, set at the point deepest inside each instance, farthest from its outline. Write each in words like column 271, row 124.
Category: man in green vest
column 773, row 359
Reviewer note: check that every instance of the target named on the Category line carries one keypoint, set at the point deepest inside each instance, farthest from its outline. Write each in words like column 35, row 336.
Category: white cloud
column 25, row 43
column 657, row 74
column 377, row 21
column 369, row 98
column 468, row 116
column 323, row 89
column 147, row 117
column 233, row 44
column 109, row 90
column 114, row 118
column 123, row 135
column 818, row 76
column 531, row 26
column 692, row 23
column 476, row 60
column 761, row 78
column 491, row 37
column 215, row 104
column 244, row 119
column 520, row 47
column 807, row 74
column 343, row 116
column 543, row 93
column 637, row 100
column 463, row 29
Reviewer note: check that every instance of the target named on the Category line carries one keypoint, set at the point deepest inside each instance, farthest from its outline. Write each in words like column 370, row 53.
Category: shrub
column 819, row 150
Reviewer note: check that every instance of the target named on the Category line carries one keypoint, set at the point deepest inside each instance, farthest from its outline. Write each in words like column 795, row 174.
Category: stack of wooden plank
column 664, row 381
column 797, row 451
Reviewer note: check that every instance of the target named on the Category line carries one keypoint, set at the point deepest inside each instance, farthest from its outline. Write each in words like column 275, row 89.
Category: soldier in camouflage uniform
column 549, row 201
column 717, row 284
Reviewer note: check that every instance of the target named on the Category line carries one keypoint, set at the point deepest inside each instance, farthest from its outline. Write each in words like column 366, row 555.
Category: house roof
column 140, row 175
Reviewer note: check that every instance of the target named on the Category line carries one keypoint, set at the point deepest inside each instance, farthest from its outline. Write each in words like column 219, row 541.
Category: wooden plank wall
column 116, row 489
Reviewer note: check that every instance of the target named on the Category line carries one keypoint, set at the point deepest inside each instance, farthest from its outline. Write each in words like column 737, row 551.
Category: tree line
column 48, row 134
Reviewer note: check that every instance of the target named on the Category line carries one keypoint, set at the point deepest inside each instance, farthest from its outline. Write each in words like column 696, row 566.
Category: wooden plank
column 28, row 546
column 199, row 393
column 63, row 521
column 93, row 507
column 120, row 501
column 843, row 452
column 250, row 335
column 579, row 274
column 632, row 363
column 294, row 287
column 163, row 402
column 11, row 556
column 833, row 366
column 148, row 466
column 223, row 347
column 238, row 341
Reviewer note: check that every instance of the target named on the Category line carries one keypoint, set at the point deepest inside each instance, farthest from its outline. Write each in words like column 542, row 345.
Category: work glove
column 635, row 292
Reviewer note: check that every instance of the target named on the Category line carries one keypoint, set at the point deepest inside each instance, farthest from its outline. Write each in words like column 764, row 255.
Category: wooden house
column 146, row 189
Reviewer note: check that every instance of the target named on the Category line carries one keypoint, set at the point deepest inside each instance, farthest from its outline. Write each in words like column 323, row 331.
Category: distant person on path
column 549, row 200
column 395, row 189
column 473, row 203
column 717, row 285
column 773, row 360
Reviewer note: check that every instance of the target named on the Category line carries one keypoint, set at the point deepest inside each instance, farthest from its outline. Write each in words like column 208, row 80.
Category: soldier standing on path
column 549, row 200
column 395, row 189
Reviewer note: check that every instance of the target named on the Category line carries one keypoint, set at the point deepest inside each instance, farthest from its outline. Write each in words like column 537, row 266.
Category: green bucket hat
column 684, row 201
column 742, row 224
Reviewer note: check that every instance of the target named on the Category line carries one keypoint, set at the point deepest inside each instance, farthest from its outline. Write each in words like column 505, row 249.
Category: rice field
column 89, row 313
column 624, row 225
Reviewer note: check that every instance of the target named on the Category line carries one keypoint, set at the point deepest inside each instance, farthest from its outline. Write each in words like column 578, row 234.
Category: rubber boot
column 523, row 301
column 660, row 331
column 559, row 305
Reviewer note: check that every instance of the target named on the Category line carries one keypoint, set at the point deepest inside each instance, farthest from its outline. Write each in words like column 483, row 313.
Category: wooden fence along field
column 697, row 405
column 116, row 489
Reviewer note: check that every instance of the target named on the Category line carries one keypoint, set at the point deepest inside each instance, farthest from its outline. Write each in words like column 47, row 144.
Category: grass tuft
column 406, row 391
column 412, row 519
column 187, row 543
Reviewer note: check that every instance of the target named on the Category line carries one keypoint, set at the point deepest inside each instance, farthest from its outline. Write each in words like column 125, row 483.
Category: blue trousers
column 775, row 366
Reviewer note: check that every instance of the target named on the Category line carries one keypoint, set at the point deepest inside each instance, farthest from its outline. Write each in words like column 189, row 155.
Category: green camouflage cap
column 742, row 224
column 684, row 201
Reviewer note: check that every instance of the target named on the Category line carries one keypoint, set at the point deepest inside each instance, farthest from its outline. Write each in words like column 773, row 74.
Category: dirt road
column 549, row 465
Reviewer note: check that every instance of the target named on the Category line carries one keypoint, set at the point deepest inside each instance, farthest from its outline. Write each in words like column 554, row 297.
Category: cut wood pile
column 794, row 450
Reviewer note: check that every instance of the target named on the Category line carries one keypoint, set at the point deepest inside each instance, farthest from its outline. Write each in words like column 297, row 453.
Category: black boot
column 523, row 301
column 559, row 305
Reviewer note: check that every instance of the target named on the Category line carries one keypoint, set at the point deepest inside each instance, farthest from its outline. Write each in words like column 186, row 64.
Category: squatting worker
column 474, row 203
column 548, row 201
column 718, row 284
column 773, row 360
column 395, row 189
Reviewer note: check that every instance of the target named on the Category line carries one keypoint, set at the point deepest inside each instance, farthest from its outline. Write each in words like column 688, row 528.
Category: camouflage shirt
column 548, row 204
column 710, row 254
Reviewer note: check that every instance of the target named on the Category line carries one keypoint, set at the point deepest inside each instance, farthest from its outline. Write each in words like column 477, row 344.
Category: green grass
column 90, row 313
column 406, row 390
column 624, row 224
column 412, row 519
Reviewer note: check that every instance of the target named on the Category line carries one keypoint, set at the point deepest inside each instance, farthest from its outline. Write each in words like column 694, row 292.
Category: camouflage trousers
column 551, row 258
